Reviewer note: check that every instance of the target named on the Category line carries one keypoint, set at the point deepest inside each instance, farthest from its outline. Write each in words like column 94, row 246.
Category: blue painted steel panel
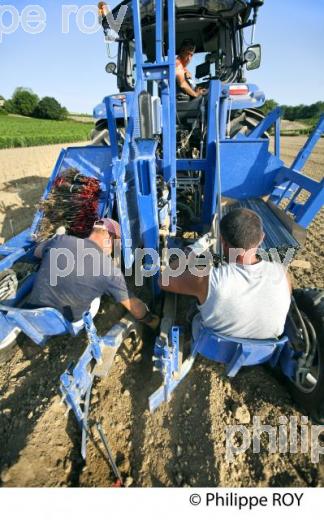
column 6, row 327
column 248, row 168
column 100, row 112
column 22, row 240
column 37, row 324
column 145, row 177
column 91, row 161
column 159, row 31
column 209, row 205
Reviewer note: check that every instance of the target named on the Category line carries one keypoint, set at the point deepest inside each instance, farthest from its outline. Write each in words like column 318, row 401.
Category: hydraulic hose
column 302, row 326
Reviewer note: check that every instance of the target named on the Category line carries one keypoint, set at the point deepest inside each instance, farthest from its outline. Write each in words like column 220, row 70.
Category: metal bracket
column 168, row 356
column 76, row 381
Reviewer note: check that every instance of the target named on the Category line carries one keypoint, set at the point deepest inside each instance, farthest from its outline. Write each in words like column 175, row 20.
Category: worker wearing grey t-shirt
column 75, row 272
column 246, row 297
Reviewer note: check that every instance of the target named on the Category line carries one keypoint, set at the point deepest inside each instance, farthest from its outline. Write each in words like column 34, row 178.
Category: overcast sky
column 70, row 66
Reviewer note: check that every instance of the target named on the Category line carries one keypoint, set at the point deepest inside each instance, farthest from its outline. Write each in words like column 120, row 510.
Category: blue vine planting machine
column 169, row 166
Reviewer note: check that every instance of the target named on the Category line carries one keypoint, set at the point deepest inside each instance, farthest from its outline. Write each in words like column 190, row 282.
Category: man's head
column 104, row 232
column 186, row 51
column 241, row 229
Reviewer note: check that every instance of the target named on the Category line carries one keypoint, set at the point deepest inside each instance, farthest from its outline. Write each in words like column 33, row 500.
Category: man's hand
column 202, row 244
column 201, row 91
column 185, row 87
column 141, row 312
column 152, row 321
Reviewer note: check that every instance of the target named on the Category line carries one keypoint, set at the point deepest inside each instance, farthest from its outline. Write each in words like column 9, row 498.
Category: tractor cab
column 216, row 28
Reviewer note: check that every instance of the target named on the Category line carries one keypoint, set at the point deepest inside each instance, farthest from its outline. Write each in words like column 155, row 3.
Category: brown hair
column 242, row 228
column 187, row 45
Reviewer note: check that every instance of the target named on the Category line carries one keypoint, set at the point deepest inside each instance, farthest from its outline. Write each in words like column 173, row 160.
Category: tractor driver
column 247, row 297
column 184, row 82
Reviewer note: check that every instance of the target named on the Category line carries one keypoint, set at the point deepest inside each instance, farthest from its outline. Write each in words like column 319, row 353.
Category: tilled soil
column 184, row 442
column 314, row 247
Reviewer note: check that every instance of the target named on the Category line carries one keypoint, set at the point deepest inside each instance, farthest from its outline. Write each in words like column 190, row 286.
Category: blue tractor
column 168, row 168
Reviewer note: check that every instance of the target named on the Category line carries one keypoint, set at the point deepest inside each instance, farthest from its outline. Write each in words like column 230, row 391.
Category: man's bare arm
column 136, row 307
column 186, row 283
column 184, row 85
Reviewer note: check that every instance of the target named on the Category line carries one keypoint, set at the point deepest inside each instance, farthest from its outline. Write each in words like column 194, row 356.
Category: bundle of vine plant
column 72, row 203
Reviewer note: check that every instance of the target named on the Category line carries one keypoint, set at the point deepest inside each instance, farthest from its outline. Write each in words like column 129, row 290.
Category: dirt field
column 183, row 443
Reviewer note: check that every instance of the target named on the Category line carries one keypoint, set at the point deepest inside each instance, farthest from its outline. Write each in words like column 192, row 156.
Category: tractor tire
column 244, row 121
column 100, row 135
column 9, row 285
column 9, row 346
column 310, row 396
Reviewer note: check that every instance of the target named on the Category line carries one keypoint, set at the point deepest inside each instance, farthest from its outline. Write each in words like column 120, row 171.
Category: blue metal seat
column 38, row 324
column 239, row 352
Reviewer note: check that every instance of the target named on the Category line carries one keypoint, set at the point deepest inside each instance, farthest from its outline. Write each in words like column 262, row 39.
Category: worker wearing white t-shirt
column 247, row 297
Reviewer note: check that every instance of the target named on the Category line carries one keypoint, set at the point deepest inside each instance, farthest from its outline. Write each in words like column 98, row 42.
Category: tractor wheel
column 100, row 135
column 309, row 393
column 8, row 346
column 245, row 121
column 8, row 288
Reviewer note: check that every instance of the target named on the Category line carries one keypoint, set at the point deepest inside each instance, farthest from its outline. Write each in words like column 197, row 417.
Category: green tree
column 9, row 106
column 293, row 113
column 268, row 106
column 50, row 108
column 24, row 101
column 290, row 113
column 2, row 102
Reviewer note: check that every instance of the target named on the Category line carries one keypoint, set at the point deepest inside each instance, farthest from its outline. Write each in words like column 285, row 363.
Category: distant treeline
column 296, row 113
column 25, row 102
